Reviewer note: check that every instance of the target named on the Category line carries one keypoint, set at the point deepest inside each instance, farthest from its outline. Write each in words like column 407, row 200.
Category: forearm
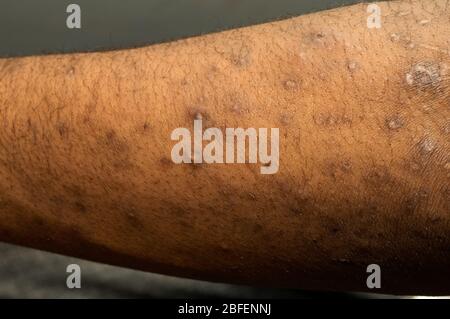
column 86, row 168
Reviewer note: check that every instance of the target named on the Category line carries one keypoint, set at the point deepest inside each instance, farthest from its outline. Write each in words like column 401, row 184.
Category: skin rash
column 364, row 120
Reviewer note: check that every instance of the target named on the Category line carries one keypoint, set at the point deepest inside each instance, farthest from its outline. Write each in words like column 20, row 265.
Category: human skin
column 364, row 119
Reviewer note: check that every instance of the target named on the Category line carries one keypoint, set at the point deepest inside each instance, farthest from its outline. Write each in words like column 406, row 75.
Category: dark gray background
column 30, row 273
column 39, row 26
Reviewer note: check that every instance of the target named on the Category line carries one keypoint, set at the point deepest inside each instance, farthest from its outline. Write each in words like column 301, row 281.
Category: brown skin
column 85, row 166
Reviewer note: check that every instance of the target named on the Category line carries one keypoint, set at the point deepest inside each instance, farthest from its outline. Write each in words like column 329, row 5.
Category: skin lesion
column 430, row 80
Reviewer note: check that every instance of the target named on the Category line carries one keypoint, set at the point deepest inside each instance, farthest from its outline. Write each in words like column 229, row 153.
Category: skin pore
column 364, row 120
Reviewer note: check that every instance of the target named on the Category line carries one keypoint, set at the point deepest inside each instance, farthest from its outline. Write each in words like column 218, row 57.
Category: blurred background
column 30, row 273
column 35, row 27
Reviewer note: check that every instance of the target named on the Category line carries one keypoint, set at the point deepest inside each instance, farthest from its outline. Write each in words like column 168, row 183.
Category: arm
column 86, row 168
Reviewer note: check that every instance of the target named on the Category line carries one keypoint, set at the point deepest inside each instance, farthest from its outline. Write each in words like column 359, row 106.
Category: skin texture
column 364, row 118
